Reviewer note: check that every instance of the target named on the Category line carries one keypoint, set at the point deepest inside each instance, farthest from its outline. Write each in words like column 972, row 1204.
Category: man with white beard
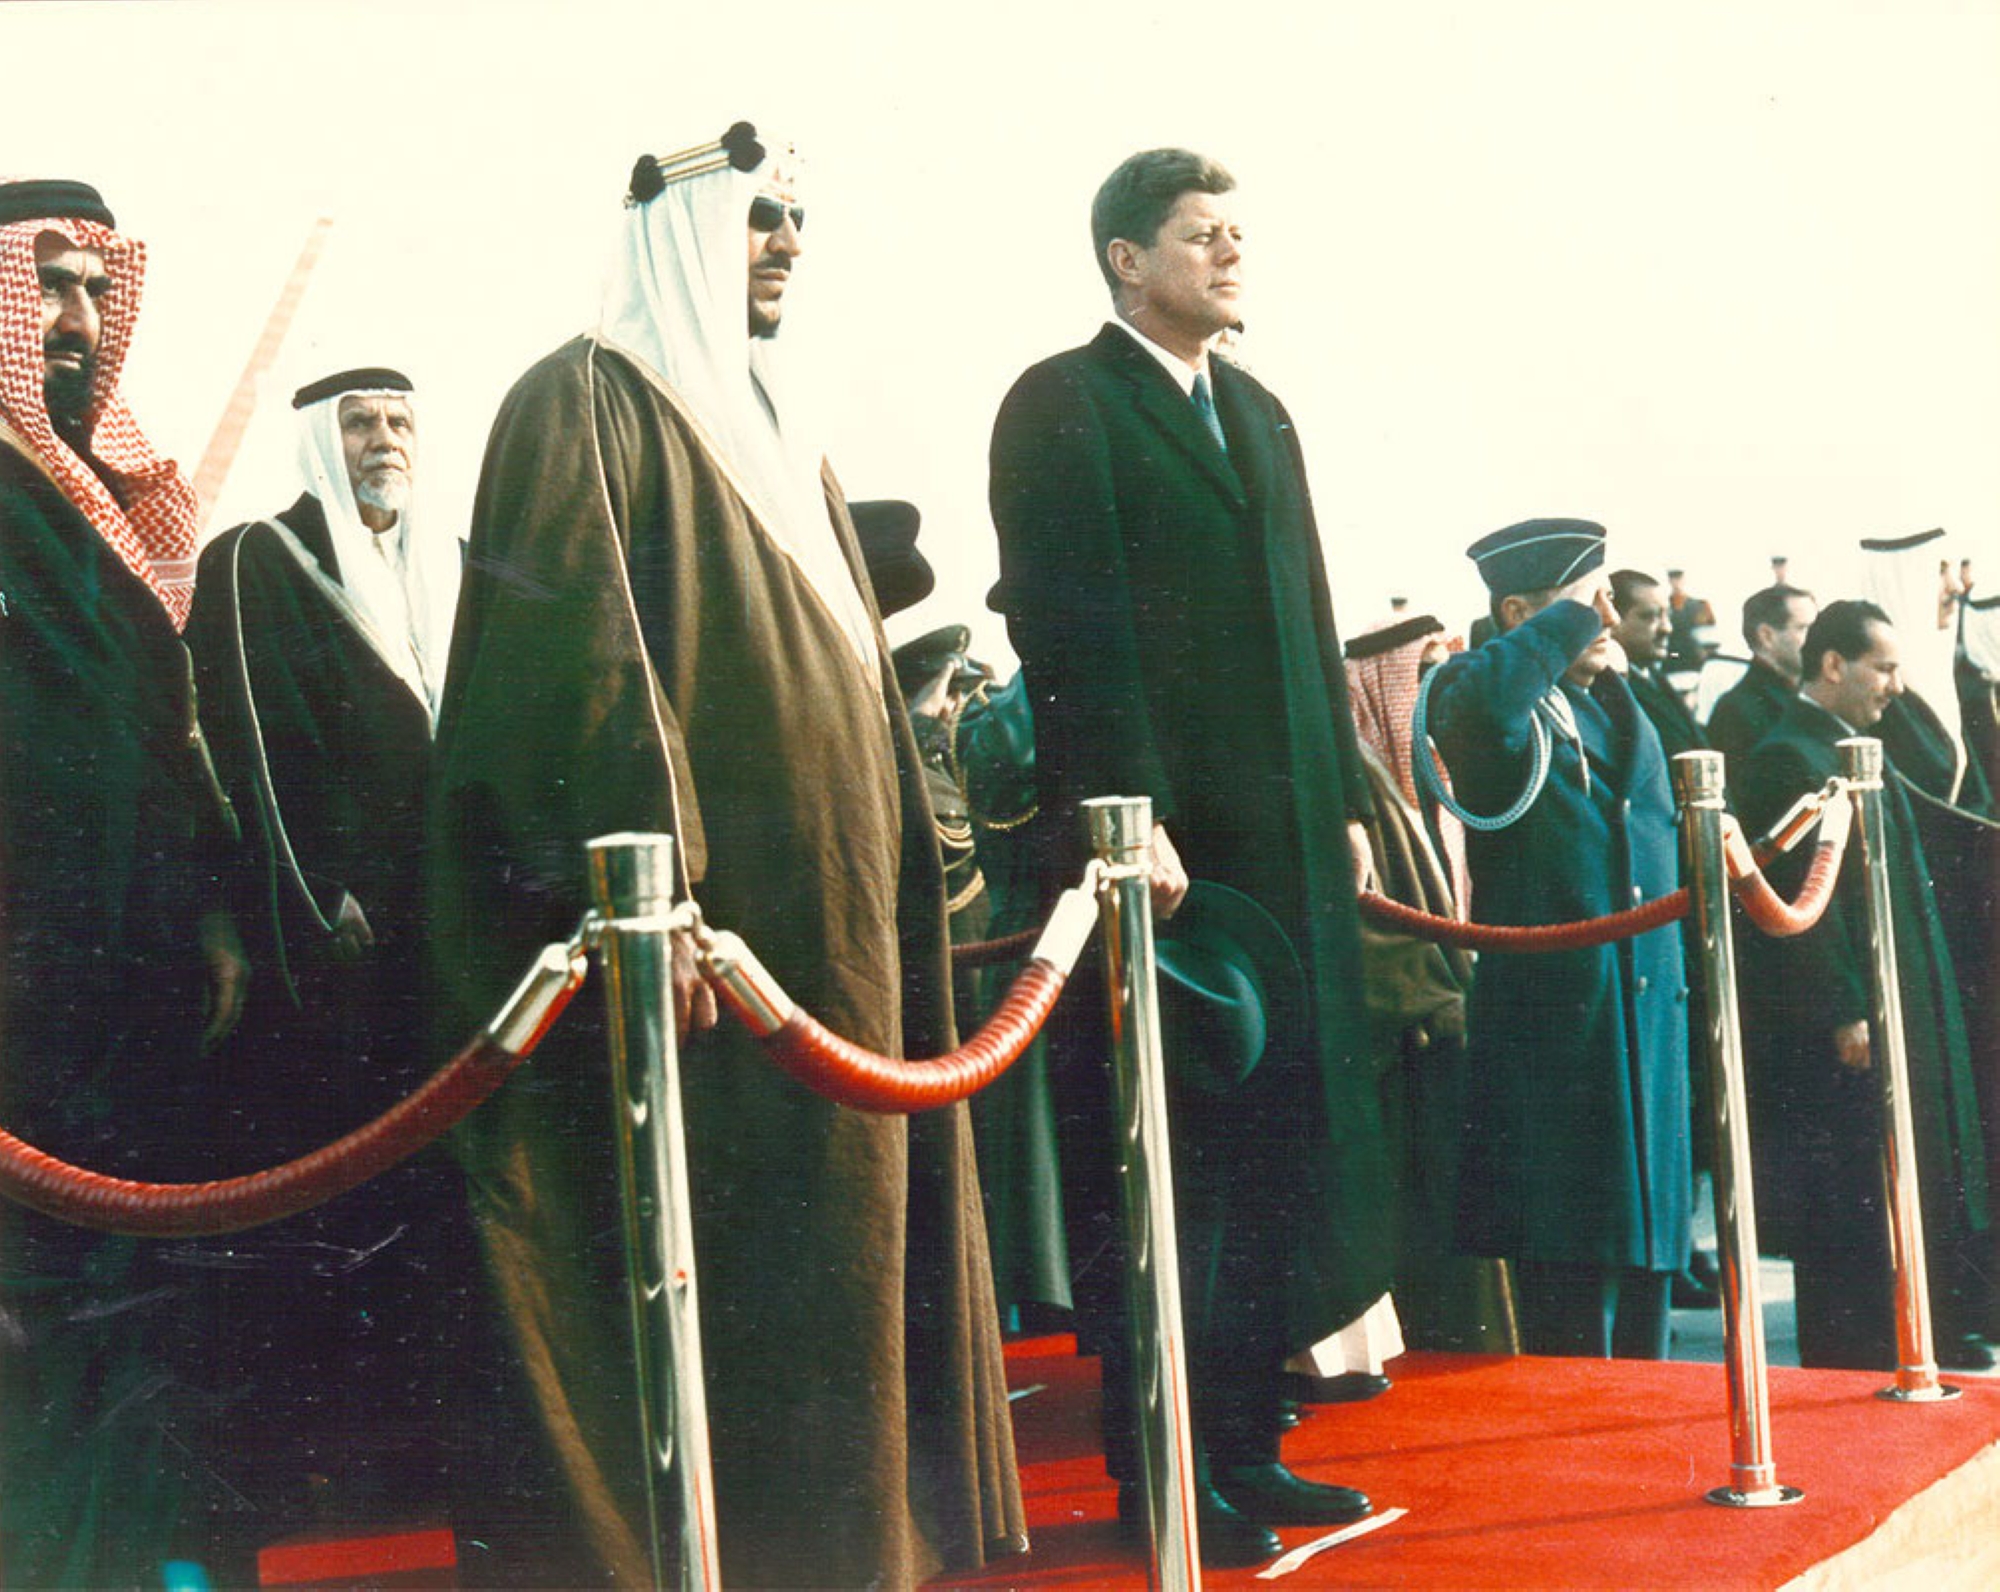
column 319, row 639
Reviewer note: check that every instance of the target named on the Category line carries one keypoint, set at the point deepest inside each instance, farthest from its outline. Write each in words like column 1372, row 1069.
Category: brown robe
column 631, row 642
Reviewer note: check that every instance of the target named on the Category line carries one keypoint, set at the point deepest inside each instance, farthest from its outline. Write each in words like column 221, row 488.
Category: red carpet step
column 1524, row 1472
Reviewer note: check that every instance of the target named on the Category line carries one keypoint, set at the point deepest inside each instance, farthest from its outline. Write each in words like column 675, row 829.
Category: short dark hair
column 1137, row 198
column 1625, row 584
column 1772, row 606
column 1842, row 627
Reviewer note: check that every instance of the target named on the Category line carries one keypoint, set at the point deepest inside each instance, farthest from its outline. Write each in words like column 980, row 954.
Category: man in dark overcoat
column 113, row 931
column 1163, row 585
column 319, row 639
column 1645, row 625
column 1577, row 1160
column 1775, row 621
column 1815, row 1096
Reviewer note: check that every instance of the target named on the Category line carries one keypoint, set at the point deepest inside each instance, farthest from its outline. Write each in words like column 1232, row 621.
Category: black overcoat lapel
column 1254, row 438
column 1164, row 407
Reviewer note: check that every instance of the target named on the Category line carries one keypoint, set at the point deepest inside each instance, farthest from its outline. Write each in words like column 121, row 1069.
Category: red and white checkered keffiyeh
column 1382, row 693
column 1382, row 690
column 152, row 518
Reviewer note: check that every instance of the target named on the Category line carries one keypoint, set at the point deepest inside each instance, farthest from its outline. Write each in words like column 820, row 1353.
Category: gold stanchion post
column 631, row 880
column 1121, row 834
column 1916, row 1353
column 1753, row 1477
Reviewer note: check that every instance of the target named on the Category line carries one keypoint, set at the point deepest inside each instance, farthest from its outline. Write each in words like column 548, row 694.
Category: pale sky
column 1725, row 276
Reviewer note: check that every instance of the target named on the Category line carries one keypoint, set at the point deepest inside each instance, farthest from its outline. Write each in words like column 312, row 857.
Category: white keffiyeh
column 676, row 302
column 402, row 582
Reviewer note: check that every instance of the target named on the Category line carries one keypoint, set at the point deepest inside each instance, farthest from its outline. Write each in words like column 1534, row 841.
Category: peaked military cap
column 1537, row 554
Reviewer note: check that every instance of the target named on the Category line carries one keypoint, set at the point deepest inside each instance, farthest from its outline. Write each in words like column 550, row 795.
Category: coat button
column 1640, row 984
column 1636, row 895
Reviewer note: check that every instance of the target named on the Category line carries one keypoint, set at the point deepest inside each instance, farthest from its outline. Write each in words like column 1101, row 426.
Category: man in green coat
column 1815, row 1094
column 1163, row 585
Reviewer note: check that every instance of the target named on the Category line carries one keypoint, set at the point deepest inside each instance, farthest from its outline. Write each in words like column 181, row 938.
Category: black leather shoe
column 1272, row 1494
column 1350, row 1387
column 1227, row 1540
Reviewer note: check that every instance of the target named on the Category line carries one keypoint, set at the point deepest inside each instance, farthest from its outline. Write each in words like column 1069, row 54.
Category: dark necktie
column 1204, row 405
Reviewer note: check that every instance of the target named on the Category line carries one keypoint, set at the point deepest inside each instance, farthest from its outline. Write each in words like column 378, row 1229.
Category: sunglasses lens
column 768, row 214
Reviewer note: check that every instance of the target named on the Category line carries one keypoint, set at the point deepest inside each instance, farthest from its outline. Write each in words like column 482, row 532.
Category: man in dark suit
column 1645, row 626
column 1576, row 1163
column 1775, row 621
column 1815, row 1097
column 1644, row 629
column 1163, row 585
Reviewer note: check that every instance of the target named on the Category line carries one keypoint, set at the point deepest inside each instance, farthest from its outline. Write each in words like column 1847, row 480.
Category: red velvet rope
column 843, row 1071
column 1781, row 919
column 1767, row 909
column 38, row 1180
column 1524, row 937
column 984, row 953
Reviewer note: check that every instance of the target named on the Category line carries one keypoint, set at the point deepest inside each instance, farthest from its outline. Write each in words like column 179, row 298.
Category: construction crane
column 220, row 454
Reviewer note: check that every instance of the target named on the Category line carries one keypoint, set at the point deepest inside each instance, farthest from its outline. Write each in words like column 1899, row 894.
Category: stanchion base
column 1762, row 1498
column 1920, row 1395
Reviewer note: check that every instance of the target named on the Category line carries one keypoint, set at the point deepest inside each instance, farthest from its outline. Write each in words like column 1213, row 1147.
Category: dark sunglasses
column 768, row 214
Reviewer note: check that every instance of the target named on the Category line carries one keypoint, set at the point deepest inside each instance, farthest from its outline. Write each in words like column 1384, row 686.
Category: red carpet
column 1523, row 1472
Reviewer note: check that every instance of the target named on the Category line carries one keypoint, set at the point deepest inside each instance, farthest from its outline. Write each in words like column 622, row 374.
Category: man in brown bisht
column 666, row 625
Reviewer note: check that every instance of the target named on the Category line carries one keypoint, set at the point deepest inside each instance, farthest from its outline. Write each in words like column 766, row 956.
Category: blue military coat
column 1577, row 1112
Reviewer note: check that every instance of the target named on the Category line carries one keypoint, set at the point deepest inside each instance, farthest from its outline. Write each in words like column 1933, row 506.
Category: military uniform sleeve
column 1482, row 704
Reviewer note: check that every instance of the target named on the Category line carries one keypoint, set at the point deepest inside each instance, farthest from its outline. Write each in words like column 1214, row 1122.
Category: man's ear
column 1513, row 609
column 1122, row 256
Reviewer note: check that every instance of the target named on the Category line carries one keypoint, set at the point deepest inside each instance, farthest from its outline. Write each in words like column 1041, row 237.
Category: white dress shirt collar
column 1182, row 372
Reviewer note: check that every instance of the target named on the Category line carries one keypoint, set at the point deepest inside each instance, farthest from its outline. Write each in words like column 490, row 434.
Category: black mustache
column 69, row 343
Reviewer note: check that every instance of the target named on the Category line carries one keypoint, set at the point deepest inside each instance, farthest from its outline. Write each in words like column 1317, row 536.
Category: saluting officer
column 1577, row 1160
